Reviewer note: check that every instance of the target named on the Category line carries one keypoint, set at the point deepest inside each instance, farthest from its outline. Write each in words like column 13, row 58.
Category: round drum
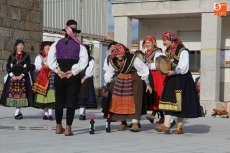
column 140, row 55
column 163, row 64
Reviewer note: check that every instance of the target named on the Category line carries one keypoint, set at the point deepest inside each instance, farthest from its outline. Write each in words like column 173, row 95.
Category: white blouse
column 142, row 70
column 38, row 63
column 76, row 68
column 90, row 69
column 152, row 66
column 183, row 65
column 106, row 65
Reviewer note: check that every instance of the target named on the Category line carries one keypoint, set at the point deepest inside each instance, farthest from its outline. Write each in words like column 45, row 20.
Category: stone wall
column 19, row 19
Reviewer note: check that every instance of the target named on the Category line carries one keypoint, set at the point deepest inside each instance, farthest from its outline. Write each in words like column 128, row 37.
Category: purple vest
column 70, row 50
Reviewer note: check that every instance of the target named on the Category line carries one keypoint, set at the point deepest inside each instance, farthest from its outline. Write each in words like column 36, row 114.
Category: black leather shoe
column 172, row 124
column 82, row 117
column 18, row 117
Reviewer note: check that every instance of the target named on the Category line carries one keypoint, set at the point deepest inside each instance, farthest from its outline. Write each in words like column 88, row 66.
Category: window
column 194, row 61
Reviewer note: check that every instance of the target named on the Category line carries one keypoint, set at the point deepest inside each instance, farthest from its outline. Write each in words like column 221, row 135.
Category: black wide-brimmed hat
column 72, row 22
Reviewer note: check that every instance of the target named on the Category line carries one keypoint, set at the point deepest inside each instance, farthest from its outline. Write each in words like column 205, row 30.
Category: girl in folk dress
column 45, row 97
column 152, row 51
column 17, row 89
column 179, row 97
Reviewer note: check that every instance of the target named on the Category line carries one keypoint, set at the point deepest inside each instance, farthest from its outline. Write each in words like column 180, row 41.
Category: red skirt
column 158, row 81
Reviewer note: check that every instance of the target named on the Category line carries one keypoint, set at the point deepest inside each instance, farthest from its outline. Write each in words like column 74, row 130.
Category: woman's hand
column 170, row 73
column 19, row 77
column 148, row 88
column 14, row 78
column 82, row 80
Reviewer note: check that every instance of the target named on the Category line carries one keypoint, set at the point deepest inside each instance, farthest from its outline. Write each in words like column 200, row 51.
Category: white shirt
column 106, row 65
column 90, row 69
column 38, row 63
column 76, row 68
column 183, row 65
column 142, row 70
column 152, row 66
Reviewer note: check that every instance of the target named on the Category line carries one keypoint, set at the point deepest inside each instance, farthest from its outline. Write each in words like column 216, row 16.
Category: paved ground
column 33, row 135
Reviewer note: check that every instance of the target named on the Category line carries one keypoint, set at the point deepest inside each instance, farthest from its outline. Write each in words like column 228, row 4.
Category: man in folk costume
column 152, row 51
column 44, row 83
column 67, row 58
column 179, row 97
column 125, row 94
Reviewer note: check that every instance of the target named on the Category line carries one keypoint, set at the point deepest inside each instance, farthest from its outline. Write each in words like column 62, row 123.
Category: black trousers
column 67, row 91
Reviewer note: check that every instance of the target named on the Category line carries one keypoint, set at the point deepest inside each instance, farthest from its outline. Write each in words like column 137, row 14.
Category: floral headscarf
column 151, row 39
column 171, row 36
column 119, row 49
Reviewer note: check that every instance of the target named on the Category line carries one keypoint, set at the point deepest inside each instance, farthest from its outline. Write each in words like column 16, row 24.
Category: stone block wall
column 19, row 19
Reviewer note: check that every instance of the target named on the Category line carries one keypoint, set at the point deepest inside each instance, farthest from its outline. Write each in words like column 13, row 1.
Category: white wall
column 157, row 27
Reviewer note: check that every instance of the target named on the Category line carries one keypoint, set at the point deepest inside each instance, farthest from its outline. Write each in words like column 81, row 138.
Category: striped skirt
column 122, row 97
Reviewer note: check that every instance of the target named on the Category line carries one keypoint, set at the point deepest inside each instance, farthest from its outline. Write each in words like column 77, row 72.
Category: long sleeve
column 142, row 69
column 38, row 63
column 105, row 66
column 52, row 59
column 27, row 66
column 109, row 73
column 82, row 63
column 90, row 69
column 152, row 66
column 8, row 67
column 183, row 65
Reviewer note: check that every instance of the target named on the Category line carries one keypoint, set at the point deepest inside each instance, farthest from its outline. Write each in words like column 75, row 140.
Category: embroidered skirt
column 48, row 100
column 179, row 97
column 117, row 109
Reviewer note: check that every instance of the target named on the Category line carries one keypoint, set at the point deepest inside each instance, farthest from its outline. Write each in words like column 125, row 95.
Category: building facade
column 206, row 35
column 91, row 15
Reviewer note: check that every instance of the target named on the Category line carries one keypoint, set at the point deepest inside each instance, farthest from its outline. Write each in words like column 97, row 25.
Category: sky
column 111, row 22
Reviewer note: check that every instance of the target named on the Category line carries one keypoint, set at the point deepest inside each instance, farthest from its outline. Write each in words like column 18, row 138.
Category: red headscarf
column 119, row 49
column 151, row 39
column 171, row 36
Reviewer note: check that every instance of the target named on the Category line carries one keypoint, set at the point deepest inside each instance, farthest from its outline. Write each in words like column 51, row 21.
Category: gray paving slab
column 34, row 135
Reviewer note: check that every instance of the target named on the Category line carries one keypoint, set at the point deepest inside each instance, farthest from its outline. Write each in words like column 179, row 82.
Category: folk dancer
column 125, row 93
column 179, row 97
column 67, row 58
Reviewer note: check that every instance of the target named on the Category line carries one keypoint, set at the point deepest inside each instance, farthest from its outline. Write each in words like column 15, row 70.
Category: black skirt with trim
column 180, row 90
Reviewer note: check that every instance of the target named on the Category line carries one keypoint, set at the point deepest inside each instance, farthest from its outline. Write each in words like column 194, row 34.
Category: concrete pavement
column 34, row 135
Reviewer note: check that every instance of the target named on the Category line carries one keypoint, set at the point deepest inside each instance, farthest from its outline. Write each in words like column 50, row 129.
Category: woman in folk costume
column 152, row 51
column 125, row 95
column 17, row 89
column 87, row 96
column 67, row 58
column 179, row 97
column 44, row 83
